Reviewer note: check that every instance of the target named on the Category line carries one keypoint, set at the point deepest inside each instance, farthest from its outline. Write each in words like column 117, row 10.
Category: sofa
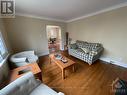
column 28, row 85
column 23, row 58
column 88, row 52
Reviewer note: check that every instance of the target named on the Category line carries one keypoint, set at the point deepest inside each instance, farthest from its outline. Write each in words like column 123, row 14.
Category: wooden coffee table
column 62, row 65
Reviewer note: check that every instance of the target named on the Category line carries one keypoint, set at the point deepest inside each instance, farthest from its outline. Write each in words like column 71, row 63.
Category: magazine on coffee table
column 58, row 56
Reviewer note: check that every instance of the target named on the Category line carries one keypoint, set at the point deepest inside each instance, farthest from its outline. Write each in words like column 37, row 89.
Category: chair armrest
column 15, row 60
column 95, row 54
column 98, row 49
column 28, row 53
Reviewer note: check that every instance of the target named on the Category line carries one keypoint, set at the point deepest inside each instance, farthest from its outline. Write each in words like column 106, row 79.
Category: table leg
column 50, row 61
column 39, row 76
column 63, row 73
column 73, row 68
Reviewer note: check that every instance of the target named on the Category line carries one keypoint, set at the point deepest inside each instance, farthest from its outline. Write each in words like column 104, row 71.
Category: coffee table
column 62, row 65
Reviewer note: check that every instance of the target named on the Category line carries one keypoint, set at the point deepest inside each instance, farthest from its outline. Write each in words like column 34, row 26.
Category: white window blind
column 3, row 50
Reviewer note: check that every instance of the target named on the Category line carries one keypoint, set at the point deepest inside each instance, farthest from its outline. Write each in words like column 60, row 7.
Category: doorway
column 54, row 38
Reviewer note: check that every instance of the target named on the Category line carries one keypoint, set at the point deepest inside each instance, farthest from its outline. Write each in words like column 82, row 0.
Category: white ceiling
column 63, row 10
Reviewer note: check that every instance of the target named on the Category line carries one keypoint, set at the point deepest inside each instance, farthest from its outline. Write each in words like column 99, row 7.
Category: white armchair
column 23, row 58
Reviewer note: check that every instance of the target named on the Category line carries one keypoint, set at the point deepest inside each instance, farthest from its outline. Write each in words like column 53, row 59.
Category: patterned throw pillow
column 81, row 44
column 85, row 50
column 93, row 53
column 92, row 46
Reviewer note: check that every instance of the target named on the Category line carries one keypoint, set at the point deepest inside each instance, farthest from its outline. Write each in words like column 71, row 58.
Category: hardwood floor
column 87, row 80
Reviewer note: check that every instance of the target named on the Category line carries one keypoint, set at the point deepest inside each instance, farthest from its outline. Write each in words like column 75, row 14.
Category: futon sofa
column 23, row 58
column 28, row 85
column 88, row 52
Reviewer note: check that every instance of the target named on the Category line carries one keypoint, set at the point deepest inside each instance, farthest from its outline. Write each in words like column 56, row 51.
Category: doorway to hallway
column 54, row 38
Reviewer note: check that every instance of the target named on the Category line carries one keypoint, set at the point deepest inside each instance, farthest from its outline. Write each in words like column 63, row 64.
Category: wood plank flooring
column 87, row 80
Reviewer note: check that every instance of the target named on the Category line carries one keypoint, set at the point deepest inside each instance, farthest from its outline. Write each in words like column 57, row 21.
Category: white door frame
column 62, row 38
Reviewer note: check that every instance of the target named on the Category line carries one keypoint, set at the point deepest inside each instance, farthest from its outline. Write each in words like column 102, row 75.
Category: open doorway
column 54, row 38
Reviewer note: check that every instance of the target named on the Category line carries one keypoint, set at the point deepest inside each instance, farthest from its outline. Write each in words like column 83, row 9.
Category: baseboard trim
column 111, row 61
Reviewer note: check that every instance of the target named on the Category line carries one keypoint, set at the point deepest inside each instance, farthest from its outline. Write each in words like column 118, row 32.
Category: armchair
column 23, row 58
column 28, row 85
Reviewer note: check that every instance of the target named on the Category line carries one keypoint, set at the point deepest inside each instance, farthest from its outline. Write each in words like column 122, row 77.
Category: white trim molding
column 40, row 17
column 99, row 12
column 121, row 64
column 114, row 61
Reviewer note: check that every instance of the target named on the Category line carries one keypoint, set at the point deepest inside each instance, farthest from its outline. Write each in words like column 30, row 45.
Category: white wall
column 108, row 28
column 27, row 33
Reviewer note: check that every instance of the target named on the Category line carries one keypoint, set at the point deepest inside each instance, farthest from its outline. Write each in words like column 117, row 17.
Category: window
column 3, row 50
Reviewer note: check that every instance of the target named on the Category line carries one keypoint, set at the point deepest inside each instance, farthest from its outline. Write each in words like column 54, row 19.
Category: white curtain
column 3, row 50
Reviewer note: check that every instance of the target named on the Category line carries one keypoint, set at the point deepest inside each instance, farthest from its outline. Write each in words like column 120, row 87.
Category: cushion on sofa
column 81, row 44
column 73, row 46
column 86, row 50
column 92, row 46
column 92, row 52
column 42, row 89
column 79, row 51
column 98, row 49
column 32, row 59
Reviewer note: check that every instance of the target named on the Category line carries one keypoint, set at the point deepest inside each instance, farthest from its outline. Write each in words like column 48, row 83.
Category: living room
column 94, row 49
